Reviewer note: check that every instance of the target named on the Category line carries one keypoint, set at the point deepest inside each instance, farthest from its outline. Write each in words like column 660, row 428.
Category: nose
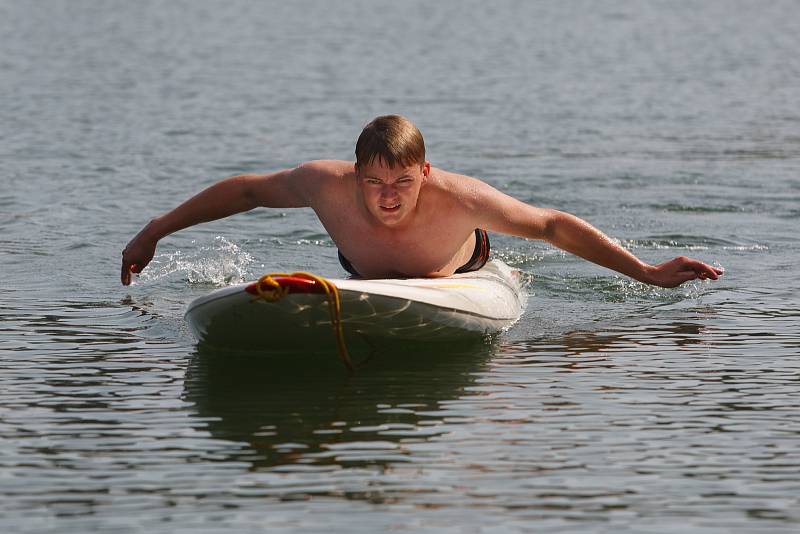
column 388, row 191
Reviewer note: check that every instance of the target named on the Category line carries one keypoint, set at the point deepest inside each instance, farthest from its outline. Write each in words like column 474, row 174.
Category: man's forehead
column 378, row 166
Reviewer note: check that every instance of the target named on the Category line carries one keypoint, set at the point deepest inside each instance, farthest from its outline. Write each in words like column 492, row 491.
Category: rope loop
column 275, row 291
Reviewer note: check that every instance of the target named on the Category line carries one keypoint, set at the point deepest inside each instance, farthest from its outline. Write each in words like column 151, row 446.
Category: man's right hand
column 137, row 255
column 282, row 189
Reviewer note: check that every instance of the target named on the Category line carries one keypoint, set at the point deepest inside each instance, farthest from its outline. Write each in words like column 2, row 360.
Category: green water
column 609, row 406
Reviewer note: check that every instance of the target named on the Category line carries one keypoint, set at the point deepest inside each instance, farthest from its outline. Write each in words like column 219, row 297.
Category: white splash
column 220, row 264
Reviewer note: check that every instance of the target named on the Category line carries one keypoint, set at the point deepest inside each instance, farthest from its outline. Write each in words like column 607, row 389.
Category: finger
column 706, row 274
column 125, row 274
column 705, row 271
column 711, row 272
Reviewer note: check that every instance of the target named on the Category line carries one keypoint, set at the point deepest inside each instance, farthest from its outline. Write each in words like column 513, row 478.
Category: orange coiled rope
column 274, row 291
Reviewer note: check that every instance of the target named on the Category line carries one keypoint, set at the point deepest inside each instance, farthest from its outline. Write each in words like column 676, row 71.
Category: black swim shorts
column 479, row 256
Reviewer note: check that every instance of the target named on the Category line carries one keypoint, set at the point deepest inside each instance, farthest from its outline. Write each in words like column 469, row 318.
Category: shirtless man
column 393, row 215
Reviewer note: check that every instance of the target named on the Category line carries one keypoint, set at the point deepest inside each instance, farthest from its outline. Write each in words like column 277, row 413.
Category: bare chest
column 435, row 246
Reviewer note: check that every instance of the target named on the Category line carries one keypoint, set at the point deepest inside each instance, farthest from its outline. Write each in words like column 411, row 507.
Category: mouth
column 391, row 208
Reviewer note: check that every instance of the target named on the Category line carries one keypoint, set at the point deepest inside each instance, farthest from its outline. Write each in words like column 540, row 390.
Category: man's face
column 390, row 193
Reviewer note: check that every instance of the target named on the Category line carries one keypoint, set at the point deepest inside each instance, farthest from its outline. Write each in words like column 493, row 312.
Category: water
column 672, row 126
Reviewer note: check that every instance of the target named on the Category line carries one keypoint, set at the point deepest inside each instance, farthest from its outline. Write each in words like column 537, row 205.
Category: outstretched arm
column 233, row 195
column 577, row 236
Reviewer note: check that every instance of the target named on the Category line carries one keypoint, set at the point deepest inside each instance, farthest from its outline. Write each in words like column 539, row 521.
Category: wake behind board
column 423, row 309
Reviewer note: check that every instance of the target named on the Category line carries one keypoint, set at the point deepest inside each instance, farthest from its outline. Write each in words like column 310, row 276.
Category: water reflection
column 297, row 407
column 634, row 334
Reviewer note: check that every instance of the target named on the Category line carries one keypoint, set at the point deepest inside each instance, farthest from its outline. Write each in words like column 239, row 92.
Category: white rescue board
column 464, row 305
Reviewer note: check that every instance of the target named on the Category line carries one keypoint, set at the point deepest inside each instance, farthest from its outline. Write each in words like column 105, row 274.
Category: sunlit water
column 610, row 406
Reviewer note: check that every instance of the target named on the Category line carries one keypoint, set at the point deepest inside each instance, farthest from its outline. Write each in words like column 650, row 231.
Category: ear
column 426, row 170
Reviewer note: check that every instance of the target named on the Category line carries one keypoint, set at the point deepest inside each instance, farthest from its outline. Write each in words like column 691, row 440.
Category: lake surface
column 672, row 126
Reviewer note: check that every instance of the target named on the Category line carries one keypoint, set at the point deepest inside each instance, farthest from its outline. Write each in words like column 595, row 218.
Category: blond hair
column 393, row 140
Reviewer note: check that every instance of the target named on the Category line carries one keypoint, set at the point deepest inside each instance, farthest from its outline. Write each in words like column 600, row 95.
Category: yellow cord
column 275, row 291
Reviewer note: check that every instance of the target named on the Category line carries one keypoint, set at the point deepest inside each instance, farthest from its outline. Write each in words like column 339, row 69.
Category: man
column 393, row 215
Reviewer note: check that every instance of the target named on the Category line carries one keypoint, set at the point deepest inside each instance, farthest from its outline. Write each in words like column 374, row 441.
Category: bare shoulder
column 322, row 171
column 297, row 187
column 320, row 178
column 326, row 167
column 487, row 206
column 469, row 192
